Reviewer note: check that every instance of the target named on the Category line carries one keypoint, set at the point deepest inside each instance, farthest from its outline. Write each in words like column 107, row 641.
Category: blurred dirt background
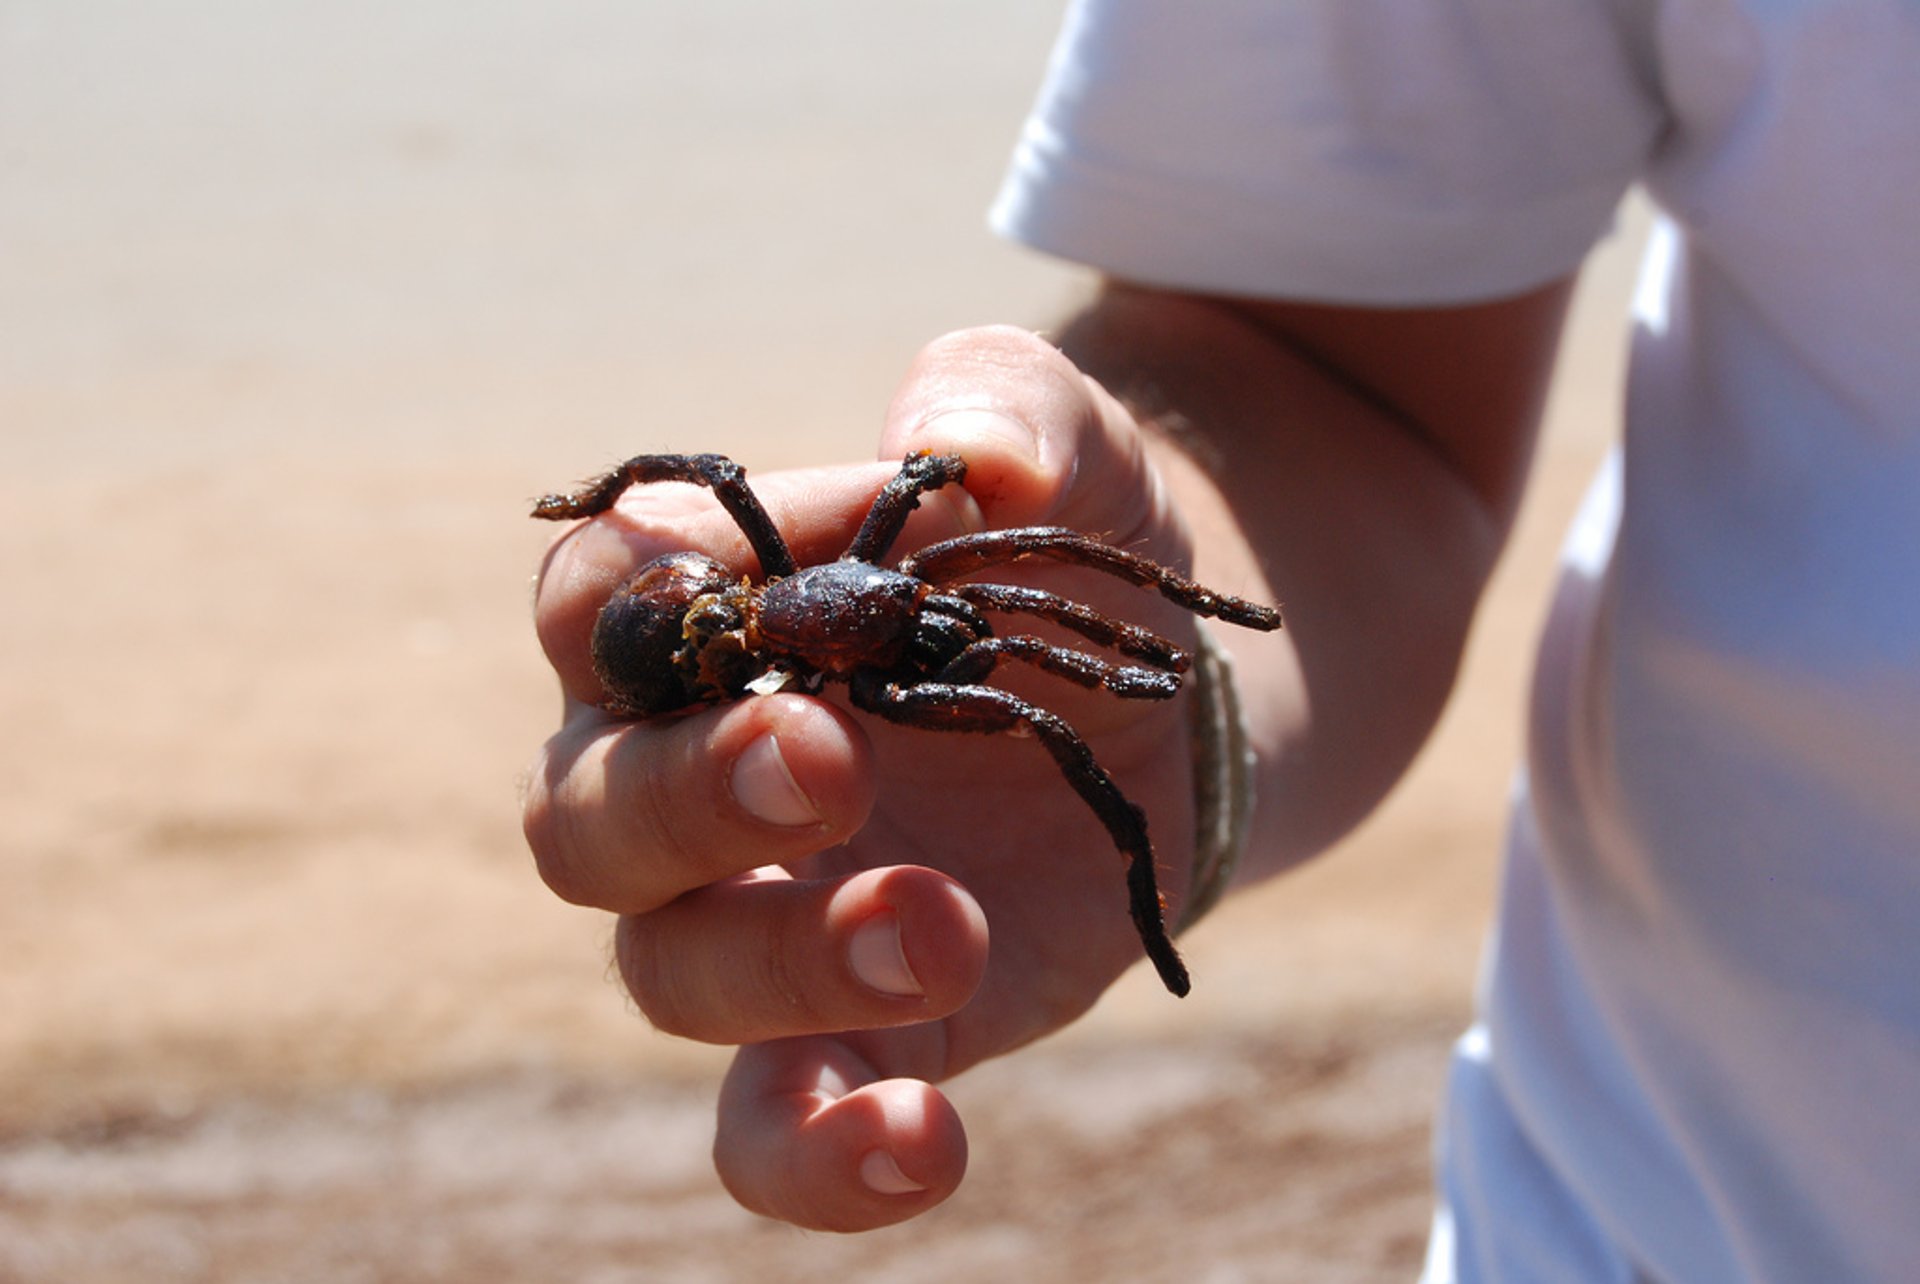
column 298, row 305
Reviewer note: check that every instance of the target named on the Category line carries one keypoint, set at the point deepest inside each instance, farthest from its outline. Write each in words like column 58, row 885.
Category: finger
column 1042, row 442
column 764, row 957
column 626, row 816
column 811, row 1133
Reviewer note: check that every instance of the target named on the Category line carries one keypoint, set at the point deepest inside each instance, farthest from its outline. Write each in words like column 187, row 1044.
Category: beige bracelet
column 1222, row 780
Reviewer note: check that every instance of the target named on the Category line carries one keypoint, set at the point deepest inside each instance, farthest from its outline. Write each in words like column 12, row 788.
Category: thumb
column 1043, row 443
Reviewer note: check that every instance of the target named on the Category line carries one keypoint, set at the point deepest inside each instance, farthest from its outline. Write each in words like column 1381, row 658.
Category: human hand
column 817, row 886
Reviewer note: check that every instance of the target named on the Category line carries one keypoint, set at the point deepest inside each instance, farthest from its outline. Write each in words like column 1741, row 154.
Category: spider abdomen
column 841, row 615
column 640, row 633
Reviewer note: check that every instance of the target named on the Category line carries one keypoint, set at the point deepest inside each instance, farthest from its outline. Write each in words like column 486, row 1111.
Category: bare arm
column 1365, row 465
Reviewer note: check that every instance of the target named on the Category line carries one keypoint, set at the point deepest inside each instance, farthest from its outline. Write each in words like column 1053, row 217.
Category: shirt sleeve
column 1374, row 152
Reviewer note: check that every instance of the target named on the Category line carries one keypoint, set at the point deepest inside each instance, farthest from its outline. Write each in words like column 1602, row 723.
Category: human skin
column 867, row 910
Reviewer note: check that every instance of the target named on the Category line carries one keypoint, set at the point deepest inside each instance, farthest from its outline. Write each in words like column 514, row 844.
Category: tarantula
column 913, row 644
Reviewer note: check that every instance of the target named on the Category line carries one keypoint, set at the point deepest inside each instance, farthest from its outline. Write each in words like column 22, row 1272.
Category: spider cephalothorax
column 913, row 643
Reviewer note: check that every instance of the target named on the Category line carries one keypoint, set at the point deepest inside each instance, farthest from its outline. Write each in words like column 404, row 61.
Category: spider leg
column 953, row 558
column 726, row 479
column 946, row 627
column 958, row 607
column 978, row 661
column 937, row 706
column 919, row 473
column 1128, row 639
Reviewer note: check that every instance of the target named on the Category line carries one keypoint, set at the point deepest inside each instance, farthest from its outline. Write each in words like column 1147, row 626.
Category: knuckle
column 582, row 823
column 575, row 579
column 565, row 867
column 693, row 978
column 788, row 977
column 657, row 988
column 678, row 834
column 546, row 823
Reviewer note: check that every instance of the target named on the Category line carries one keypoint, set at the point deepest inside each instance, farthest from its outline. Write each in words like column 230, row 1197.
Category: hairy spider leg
column 978, row 661
column 1128, row 639
column 937, row 706
column 919, row 473
column 726, row 479
column 953, row 558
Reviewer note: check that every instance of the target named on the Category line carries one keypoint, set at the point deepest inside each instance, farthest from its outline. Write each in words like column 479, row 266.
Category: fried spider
column 913, row 643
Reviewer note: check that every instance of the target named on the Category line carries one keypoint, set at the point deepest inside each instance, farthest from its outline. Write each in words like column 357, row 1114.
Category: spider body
column 841, row 616
column 913, row 643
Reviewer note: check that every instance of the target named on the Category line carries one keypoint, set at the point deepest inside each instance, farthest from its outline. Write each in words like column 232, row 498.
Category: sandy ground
column 280, row 997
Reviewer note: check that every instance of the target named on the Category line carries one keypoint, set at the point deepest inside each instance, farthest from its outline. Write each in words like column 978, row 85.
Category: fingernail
column 952, row 427
column 766, row 790
column 881, row 1174
column 878, row 960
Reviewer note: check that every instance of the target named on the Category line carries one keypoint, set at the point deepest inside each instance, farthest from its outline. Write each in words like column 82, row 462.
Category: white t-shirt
column 1699, row 1056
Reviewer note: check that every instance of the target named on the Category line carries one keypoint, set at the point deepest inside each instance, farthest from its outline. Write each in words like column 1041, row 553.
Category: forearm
column 1311, row 483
